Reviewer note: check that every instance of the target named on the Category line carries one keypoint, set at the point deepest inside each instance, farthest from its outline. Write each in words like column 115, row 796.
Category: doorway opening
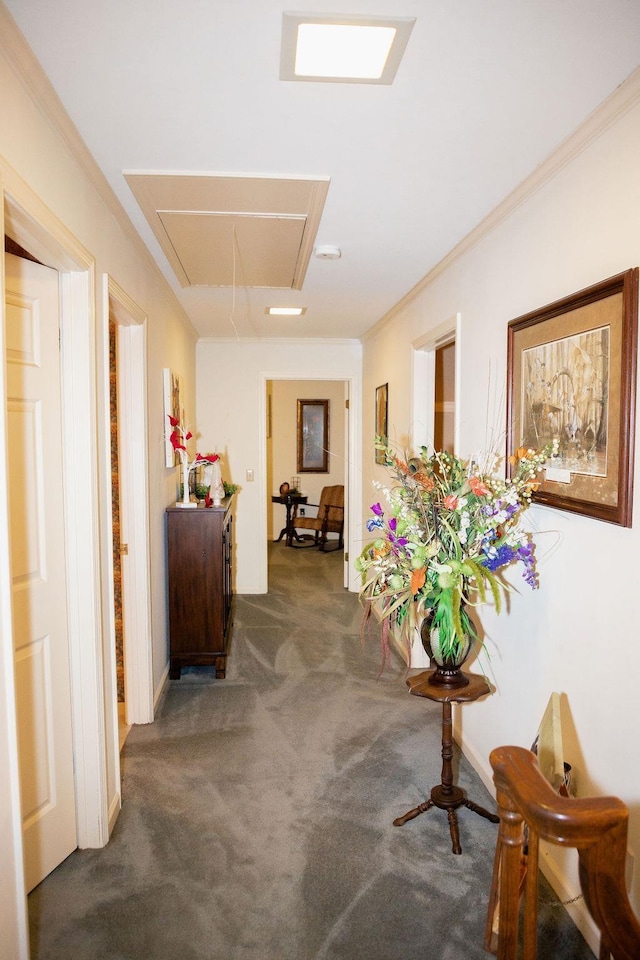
column 445, row 397
column 436, row 411
column 128, row 652
column 30, row 224
column 283, row 464
column 118, row 613
column 436, row 379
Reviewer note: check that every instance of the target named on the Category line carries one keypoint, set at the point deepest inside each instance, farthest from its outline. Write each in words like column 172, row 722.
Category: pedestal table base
column 447, row 796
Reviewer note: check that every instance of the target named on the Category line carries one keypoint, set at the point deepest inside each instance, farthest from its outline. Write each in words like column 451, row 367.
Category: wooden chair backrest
column 596, row 827
column 332, row 503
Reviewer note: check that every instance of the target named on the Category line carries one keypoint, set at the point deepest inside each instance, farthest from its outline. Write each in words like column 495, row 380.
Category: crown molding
column 623, row 99
column 29, row 72
column 289, row 341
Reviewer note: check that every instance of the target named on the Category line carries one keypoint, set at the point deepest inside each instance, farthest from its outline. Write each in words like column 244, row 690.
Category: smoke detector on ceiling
column 327, row 252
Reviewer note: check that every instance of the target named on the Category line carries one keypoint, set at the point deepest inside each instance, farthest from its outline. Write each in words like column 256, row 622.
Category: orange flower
column 478, row 487
column 522, row 453
column 417, row 579
column 450, row 502
column 425, row 481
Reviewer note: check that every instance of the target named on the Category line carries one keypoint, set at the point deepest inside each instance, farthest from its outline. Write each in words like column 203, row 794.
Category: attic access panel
column 217, row 230
column 220, row 249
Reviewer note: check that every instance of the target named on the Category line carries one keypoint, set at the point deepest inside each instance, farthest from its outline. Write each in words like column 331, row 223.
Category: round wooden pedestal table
column 446, row 795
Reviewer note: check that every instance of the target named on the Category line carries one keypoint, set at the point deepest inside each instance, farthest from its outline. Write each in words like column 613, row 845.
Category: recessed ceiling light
column 345, row 49
column 285, row 311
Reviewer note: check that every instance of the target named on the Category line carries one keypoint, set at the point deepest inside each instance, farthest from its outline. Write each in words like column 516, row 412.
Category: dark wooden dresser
column 200, row 593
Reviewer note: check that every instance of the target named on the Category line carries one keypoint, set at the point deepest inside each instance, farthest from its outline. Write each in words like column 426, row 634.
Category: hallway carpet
column 257, row 810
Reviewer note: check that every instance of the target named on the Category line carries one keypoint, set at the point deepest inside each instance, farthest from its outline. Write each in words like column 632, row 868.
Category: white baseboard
column 161, row 689
column 114, row 810
column 578, row 910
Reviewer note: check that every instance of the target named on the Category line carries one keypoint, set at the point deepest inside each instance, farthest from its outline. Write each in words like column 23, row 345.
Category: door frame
column 353, row 477
column 423, row 407
column 423, row 385
column 32, row 225
column 134, row 497
column 131, row 334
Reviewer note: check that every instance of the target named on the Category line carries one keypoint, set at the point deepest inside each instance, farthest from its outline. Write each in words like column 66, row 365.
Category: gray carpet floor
column 257, row 810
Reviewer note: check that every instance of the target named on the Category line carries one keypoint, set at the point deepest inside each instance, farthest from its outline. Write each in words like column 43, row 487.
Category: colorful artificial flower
column 178, row 439
column 447, row 533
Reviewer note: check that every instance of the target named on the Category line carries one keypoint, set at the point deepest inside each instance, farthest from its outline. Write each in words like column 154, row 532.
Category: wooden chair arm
column 324, row 519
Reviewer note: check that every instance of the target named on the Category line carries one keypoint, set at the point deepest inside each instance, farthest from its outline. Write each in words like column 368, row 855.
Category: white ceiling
column 486, row 90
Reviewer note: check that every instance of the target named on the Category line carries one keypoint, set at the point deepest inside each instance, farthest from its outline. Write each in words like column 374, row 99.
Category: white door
column 38, row 566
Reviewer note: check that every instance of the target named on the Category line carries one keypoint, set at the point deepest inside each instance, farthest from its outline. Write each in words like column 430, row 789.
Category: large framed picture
column 382, row 408
column 313, row 436
column 173, row 408
column 571, row 377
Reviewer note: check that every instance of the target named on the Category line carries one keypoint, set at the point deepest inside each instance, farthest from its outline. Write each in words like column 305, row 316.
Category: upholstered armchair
column 330, row 519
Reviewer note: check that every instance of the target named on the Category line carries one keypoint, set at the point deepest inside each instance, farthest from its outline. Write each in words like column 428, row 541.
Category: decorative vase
column 216, row 489
column 448, row 671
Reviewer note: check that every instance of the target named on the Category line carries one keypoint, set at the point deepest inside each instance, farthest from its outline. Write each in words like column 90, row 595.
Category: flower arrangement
column 448, row 531
column 178, row 438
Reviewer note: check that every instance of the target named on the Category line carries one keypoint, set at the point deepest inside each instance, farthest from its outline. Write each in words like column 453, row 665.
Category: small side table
column 446, row 795
column 289, row 500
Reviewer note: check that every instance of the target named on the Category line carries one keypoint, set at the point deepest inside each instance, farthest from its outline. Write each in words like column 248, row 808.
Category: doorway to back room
column 285, row 459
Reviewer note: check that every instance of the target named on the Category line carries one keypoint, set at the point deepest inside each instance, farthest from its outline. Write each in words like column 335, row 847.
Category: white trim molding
column 134, row 499
column 31, row 224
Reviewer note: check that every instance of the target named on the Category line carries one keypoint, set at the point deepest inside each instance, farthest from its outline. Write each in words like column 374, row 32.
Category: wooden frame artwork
column 382, row 408
column 571, row 376
column 313, row 436
column 173, row 408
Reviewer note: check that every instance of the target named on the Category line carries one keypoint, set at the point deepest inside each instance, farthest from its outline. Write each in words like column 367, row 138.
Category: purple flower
column 397, row 542
column 393, row 523
column 499, row 557
column 496, row 557
column 377, row 509
column 526, row 553
column 492, row 509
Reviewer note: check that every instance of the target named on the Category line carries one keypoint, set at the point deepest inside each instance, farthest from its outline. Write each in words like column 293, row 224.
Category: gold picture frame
column 313, row 436
column 571, row 377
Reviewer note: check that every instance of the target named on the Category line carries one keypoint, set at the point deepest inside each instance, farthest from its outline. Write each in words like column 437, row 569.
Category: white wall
column 580, row 224
column 285, row 396
column 232, row 379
